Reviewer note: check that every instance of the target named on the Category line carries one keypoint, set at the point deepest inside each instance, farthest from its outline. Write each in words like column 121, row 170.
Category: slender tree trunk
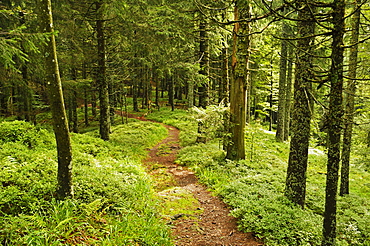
column 73, row 103
column 204, row 63
column 350, row 102
column 93, row 101
column 240, row 59
column 288, row 93
column 295, row 188
column 86, row 101
column 86, row 108
column 271, row 104
column 190, row 94
column 101, row 79
column 335, row 123
column 225, row 84
column 54, row 87
column 27, row 95
column 171, row 93
column 280, row 126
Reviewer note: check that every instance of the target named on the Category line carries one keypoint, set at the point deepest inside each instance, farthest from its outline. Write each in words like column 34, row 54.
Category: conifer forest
column 185, row 122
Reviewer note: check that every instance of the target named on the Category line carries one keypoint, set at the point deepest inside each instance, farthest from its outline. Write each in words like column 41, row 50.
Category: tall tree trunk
column 288, row 93
column 225, row 80
column 93, row 100
column 171, row 99
column 295, row 188
column 204, row 63
column 86, row 108
column 101, row 78
column 27, row 94
column 280, row 126
column 350, row 101
column 54, row 87
column 86, row 101
column 190, row 94
column 73, row 103
column 335, row 123
column 240, row 59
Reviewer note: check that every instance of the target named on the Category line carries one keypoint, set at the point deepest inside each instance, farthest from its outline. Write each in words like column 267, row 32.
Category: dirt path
column 212, row 225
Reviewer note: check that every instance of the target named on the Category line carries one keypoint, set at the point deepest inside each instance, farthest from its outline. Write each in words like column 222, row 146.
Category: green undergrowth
column 180, row 119
column 114, row 201
column 254, row 188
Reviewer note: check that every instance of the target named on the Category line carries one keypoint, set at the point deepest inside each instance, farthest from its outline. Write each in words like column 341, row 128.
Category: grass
column 114, row 201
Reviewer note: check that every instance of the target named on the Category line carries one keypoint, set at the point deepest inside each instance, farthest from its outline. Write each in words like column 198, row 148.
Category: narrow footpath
column 212, row 225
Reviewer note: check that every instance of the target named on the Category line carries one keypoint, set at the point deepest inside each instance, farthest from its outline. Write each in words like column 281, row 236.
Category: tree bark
column 280, row 126
column 104, row 119
column 350, row 100
column 54, row 86
column 295, row 189
column 204, row 64
column 171, row 99
column 225, row 76
column 239, row 67
column 288, row 93
column 335, row 123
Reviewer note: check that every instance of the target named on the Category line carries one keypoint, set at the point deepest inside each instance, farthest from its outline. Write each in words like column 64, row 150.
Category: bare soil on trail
column 213, row 225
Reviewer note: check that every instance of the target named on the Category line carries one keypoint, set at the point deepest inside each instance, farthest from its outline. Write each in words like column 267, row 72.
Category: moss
column 177, row 202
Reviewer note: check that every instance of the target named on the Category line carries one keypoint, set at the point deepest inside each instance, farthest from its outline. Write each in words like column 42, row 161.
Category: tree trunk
column 280, row 126
column 101, row 78
column 54, row 87
column 288, row 93
column 350, row 102
column 295, row 188
column 26, row 92
column 240, row 59
column 171, row 99
column 86, row 108
column 204, row 63
column 335, row 123
column 224, row 87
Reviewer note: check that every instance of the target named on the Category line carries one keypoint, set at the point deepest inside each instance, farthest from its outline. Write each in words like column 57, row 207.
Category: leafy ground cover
column 114, row 202
column 254, row 187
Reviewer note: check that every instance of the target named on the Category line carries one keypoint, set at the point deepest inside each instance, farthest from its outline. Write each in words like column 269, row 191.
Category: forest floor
column 209, row 223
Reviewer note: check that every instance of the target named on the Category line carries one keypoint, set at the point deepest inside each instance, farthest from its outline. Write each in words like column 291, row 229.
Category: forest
column 263, row 103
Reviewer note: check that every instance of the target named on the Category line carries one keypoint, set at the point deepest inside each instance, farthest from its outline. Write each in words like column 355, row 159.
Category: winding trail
column 213, row 226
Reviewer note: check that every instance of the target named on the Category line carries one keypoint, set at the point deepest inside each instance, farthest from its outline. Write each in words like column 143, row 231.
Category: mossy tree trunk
column 295, row 188
column 54, row 87
column 239, row 68
column 334, row 123
column 350, row 100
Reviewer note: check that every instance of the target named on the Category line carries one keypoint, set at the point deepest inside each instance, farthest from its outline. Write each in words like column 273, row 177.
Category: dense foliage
column 114, row 203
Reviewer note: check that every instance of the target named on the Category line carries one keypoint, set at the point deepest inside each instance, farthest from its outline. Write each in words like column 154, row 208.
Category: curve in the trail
column 213, row 226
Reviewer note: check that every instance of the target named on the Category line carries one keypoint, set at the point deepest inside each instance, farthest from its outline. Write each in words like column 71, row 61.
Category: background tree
column 350, row 99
